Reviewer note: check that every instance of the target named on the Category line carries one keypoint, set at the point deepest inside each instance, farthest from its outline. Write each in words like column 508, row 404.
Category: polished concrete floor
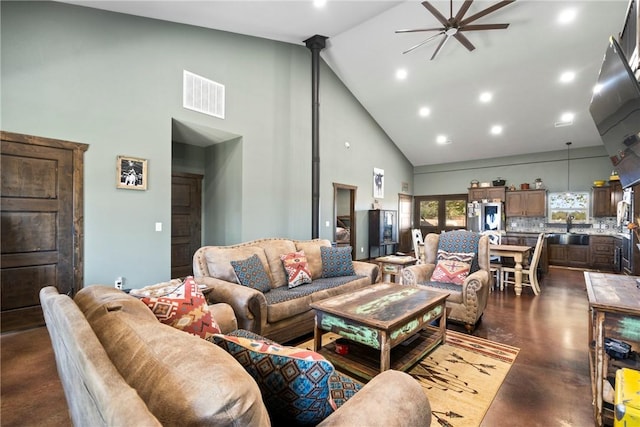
column 548, row 385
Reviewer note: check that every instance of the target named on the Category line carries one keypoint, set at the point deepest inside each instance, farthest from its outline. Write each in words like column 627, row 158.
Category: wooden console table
column 614, row 305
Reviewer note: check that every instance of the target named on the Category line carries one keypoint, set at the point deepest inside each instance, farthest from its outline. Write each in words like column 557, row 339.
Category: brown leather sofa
column 119, row 366
column 273, row 315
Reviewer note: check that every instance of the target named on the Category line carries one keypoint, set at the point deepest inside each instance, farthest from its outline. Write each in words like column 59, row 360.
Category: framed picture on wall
column 131, row 173
column 378, row 183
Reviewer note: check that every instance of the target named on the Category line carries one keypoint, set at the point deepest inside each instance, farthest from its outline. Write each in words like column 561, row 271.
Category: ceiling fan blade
column 435, row 12
column 464, row 40
column 444, row 40
column 463, row 9
column 486, row 12
column 420, row 29
column 423, row 42
column 478, row 27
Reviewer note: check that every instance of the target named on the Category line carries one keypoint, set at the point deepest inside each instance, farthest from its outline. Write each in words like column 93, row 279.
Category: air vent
column 202, row 95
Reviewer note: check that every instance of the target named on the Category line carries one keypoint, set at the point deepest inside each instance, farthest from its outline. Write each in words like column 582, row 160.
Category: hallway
column 548, row 385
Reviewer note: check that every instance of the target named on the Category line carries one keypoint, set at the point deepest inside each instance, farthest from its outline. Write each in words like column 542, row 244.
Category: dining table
column 517, row 252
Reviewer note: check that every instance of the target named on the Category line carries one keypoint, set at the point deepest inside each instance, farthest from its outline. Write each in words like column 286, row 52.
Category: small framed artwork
column 131, row 173
column 378, row 183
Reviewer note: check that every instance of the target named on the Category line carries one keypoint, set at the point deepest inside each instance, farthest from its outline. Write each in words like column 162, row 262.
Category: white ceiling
column 521, row 66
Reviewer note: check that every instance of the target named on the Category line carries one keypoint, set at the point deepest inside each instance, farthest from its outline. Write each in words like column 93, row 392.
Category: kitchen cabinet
column 530, row 203
column 569, row 255
column 602, row 249
column 606, row 198
column 487, row 193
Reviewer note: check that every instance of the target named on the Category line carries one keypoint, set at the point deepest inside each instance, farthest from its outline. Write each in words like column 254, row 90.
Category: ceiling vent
column 202, row 95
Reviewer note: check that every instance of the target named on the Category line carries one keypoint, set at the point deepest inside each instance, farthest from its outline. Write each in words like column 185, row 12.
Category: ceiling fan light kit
column 456, row 25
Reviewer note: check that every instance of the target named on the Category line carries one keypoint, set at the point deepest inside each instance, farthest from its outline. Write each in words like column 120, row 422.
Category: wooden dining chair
column 495, row 262
column 529, row 272
column 418, row 245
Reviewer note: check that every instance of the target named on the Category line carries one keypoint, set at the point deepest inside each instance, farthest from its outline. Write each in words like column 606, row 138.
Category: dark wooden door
column 42, row 227
column 186, row 211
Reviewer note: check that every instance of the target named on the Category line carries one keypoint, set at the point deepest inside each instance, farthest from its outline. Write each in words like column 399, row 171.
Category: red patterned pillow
column 297, row 268
column 452, row 267
column 184, row 308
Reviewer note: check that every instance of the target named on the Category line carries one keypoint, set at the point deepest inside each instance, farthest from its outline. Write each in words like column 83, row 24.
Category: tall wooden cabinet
column 526, row 203
column 486, row 193
column 606, row 198
column 383, row 232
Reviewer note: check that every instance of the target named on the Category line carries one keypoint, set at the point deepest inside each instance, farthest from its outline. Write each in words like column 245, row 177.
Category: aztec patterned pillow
column 251, row 273
column 452, row 267
column 461, row 241
column 297, row 268
column 336, row 262
column 294, row 382
column 184, row 308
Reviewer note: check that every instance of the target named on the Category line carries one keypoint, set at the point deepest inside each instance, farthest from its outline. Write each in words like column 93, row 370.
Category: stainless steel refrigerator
column 485, row 216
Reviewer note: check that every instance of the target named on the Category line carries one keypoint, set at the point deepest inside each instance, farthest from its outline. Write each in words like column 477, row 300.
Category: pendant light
column 568, row 167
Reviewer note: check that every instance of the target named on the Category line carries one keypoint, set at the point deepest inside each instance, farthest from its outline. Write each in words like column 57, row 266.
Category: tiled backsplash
column 604, row 225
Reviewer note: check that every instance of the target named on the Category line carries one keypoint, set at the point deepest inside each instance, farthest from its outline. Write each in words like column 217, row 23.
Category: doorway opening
column 344, row 213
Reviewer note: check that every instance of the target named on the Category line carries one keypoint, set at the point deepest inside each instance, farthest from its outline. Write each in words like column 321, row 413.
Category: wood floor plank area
column 548, row 385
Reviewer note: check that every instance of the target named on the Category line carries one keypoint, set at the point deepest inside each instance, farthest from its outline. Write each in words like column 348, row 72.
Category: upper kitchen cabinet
column 526, row 203
column 490, row 194
column 606, row 198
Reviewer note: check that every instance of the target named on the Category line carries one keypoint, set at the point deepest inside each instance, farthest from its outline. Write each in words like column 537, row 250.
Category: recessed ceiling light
column 442, row 140
column 567, row 117
column 401, row 74
column 597, row 88
column 567, row 16
column 496, row 130
column 424, row 112
column 486, row 96
column 567, row 76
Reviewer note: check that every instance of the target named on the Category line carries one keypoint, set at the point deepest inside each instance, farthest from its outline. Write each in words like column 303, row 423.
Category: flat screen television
column 615, row 109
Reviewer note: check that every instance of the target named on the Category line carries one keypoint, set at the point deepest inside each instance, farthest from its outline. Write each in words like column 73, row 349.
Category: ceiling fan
column 456, row 25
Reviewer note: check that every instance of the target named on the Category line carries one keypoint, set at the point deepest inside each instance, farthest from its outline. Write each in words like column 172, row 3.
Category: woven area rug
column 461, row 377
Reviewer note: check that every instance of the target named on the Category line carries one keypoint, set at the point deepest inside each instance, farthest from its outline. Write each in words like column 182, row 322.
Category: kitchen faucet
column 569, row 219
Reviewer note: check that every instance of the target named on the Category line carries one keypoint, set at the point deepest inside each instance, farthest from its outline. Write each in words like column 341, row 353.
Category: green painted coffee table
column 377, row 319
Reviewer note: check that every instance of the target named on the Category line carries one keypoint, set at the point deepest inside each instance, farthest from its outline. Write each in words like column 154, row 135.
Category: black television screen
column 615, row 108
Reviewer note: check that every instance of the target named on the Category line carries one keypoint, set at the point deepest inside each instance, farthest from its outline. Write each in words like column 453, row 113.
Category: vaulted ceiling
column 521, row 66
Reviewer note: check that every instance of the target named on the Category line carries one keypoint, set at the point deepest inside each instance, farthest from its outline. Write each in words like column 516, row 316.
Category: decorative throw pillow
column 452, row 267
column 251, row 273
column 184, row 308
column 336, row 262
column 297, row 268
column 294, row 382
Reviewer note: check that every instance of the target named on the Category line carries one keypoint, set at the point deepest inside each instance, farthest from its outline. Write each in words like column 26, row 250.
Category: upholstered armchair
column 456, row 262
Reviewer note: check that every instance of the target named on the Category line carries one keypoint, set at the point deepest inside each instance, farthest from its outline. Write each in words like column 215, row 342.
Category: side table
column 392, row 265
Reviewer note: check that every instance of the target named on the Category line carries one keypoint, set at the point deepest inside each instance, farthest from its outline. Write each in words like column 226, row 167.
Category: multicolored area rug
column 461, row 377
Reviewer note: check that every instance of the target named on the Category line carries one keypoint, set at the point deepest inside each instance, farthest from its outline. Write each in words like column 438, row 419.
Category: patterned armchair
column 456, row 262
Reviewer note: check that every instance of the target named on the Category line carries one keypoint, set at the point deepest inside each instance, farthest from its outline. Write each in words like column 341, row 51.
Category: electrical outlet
column 118, row 282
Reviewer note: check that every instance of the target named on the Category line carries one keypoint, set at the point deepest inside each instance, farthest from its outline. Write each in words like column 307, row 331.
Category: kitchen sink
column 568, row 239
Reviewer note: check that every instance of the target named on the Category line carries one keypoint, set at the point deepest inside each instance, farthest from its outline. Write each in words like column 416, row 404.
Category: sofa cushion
column 273, row 248
column 455, row 291
column 294, row 382
column 200, row 386
column 184, row 307
column 219, row 260
column 452, row 267
column 336, row 262
column 297, row 269
column 461, row 241
column 311, row 249
column 250, row 273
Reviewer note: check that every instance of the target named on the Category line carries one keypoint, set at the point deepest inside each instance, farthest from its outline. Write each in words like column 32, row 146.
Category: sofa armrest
column 224, row 316
column 249, row 305
column 476, row 286
column 392, row 398
column 368, row 269
column 418, row 273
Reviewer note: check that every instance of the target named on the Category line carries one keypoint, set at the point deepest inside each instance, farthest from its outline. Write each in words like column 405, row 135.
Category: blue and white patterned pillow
column 251, row 273
column 336, row 262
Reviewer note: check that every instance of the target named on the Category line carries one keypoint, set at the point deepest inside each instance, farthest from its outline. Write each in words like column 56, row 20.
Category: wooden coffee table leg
column 385, row 352
column 443, row 322
column 317, row 337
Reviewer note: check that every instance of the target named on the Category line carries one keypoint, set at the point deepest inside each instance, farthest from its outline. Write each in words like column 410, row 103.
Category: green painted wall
column 115, row 82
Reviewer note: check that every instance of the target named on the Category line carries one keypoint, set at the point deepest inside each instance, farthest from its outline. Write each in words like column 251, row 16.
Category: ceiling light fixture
column 486, row 97
column 567, row 16
column 597, row 88
column 401, row 74
column 442, row 140
column 567, row 76
column 424, row 112
column 496, row 130
column 319, row 3
column 567, row 117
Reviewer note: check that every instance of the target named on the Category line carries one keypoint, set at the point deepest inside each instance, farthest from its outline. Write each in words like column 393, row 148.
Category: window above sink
column 563, row 205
